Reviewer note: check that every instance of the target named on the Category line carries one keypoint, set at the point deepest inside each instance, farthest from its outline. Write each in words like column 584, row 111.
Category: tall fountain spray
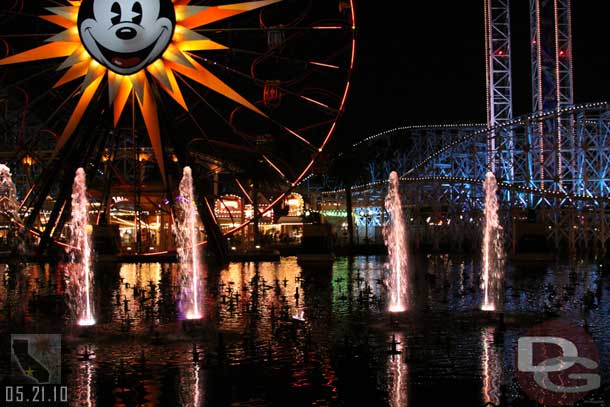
column 9, row 206
column 493, row 248
column 188, row 253
column 81, row 276
column 8, row 195
column 395, row 236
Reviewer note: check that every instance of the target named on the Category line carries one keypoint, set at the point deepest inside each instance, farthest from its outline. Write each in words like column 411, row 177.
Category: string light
column 483, row 131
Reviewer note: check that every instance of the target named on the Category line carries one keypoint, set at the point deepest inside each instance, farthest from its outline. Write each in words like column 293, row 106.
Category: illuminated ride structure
column 247, row 94
column 552, row 165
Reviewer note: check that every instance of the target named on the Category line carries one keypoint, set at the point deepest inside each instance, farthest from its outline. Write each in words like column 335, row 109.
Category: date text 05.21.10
column 26, row 395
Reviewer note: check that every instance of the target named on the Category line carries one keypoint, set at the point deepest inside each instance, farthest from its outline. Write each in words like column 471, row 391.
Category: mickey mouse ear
column 166, row 10
column 85, row 11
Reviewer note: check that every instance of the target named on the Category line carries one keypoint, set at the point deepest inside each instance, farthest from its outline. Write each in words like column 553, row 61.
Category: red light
column 500, row 52
column 562, row 53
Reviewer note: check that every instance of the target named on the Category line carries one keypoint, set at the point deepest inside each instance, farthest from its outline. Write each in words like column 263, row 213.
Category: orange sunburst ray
column 167, row 81
column 59, row 20
column 173, row 54
column 69, row 13
column 122, row 92
column 196, row 16
column 76, row 71
column 77, row 115
column 148, row 107
column 200, row 45
column 69, row 35
column 95, row 71
column 189, row 40
column 79, row 55
column 48, row 51
column 206, row 78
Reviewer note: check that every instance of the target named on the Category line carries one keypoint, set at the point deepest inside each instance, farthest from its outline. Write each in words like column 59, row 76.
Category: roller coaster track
column 567, row 185
column 412, row 175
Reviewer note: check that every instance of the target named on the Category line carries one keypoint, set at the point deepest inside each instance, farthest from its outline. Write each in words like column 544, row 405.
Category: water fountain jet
column 188, row 250
column 81, row 275
column 8, row 194
column 493, row 248
column 395, row 236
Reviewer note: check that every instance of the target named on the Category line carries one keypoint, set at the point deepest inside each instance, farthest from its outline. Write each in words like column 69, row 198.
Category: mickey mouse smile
column 126, row 35
column 126, row 60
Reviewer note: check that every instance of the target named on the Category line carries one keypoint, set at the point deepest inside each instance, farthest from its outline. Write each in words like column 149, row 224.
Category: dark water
column 250, row 350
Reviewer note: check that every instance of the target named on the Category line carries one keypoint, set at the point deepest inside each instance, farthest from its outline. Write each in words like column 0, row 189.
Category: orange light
column 143, row 157
column 27, row 160
column 106, row 156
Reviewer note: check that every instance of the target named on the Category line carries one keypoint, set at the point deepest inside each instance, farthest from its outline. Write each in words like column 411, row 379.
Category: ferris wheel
column 249, row 94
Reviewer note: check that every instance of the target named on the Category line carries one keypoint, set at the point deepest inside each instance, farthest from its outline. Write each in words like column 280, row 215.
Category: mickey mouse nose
column 126, row 33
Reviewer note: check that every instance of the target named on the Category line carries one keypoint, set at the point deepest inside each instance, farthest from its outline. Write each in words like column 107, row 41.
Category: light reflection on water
column 491, row 367
column 251, row 351
column 398, row 374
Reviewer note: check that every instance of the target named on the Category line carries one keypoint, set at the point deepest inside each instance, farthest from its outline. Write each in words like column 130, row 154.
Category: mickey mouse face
column 126, row 35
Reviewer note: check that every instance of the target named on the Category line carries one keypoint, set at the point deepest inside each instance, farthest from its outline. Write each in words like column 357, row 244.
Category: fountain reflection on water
column 493, row 248
column 185, row 231
column 84, row 378
column 395, row 236
column 491, row 367
column 398, row 373
column 81, row 273
column 461, row 358
column 192, row 383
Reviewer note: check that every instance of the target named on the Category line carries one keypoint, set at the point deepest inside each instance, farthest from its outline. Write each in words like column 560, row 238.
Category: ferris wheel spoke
column 275, row 167
column 224, row 144
column 17, row 14
column 222, row 202
column 60, row 107
column 321, row 27
column 201, row 98
column 243, row 190
column 283, row 58
column 37, row 100
column 227, row 122
column 330, row 66
column 318, row 103
column 324, row 107
column 295, row 134
column 275, row 122
column 26, row 35
column 203, row 133
column 29, row 78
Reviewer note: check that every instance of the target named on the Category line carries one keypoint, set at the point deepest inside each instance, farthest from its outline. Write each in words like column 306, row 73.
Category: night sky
column 427, row 66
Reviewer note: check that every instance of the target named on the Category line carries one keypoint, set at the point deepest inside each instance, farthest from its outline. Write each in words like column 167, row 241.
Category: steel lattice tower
column 499, row 82
column 552, row 85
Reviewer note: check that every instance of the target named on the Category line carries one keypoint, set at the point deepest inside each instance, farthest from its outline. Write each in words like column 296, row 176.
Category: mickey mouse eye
column 137, row 10
column 115, row 11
